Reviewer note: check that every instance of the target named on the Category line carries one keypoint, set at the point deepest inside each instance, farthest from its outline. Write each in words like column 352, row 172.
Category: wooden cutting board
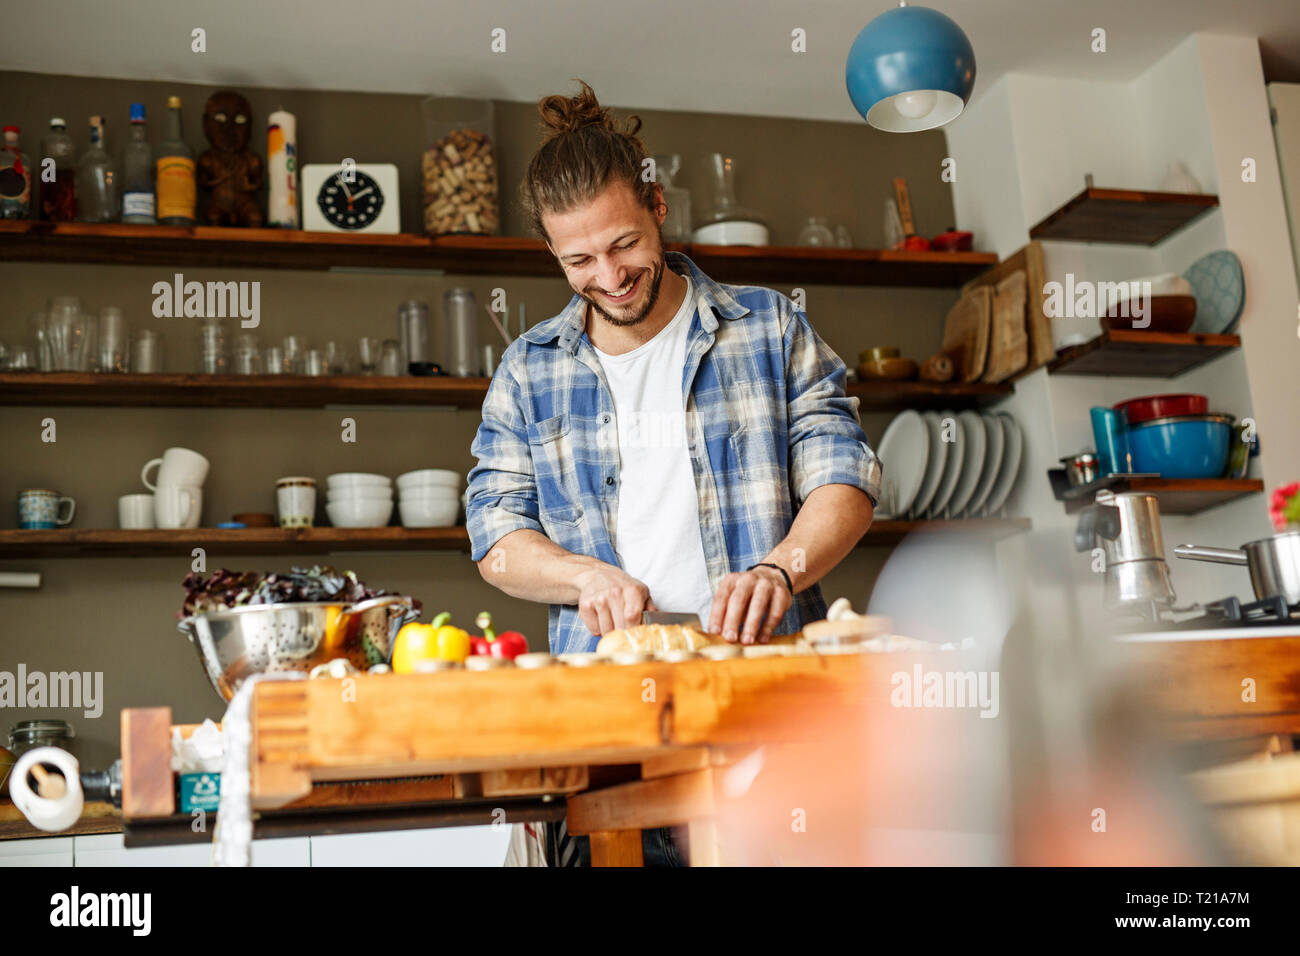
column 1008, row 339
column 966, row 333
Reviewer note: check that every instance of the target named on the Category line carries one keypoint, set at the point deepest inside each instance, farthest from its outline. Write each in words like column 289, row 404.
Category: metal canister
column 462, row 332
column 415, row 334
column 29, row 734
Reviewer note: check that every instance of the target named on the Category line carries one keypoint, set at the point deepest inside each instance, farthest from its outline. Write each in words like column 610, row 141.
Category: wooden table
column 614, row 749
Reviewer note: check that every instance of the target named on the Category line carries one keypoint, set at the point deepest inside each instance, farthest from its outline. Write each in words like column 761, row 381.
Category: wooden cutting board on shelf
column 1038, row 326
column 1008, row 338
column 966, row 333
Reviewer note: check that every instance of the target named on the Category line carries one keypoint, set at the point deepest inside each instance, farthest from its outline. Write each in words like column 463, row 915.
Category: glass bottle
column 59, row 198
column 677, row 224
column 175, row 185
column 15, row 178
column 724, row 221
column 97, row 181
column 137, row 172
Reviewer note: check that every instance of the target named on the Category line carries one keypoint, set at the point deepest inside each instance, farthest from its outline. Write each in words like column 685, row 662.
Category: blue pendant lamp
column 910, row 69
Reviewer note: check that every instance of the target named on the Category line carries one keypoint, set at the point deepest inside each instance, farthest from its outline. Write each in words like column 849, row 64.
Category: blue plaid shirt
column 767, row 421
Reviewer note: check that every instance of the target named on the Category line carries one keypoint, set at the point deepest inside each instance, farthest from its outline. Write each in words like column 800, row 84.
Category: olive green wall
column 116, row 615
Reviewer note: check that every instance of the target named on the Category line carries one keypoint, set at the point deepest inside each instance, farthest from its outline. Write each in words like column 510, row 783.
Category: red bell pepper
column 507, row 644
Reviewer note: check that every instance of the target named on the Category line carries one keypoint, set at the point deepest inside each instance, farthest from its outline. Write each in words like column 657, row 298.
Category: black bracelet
column 767, row 564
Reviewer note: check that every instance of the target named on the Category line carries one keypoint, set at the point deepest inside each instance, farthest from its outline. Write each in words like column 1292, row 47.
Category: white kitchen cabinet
column 442, row 846
column 108, row 850
column 39, row 851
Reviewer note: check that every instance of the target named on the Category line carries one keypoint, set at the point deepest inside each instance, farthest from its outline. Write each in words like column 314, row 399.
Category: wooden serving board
column 1038, row 326
column 966, row 333
column 1009, row 341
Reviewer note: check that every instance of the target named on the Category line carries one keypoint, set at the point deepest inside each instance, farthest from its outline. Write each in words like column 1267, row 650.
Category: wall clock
column 364, row 201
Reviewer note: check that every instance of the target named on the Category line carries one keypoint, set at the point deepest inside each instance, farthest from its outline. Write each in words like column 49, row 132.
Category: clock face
column 354, row 205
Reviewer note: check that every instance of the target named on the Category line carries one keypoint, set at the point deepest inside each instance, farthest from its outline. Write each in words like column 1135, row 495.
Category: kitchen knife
column 671, row 617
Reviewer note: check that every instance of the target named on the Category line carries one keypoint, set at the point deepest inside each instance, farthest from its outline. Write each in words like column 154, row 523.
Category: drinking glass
column 273, row 360
column 146, row 352
column 22, row 358
column 390, row 360
column 70, row 335
column 314, row 363
column 336, row 358
column 368, row 355
column 112, row 355
column 38, row 333
column 214, row 352
column 295, row 347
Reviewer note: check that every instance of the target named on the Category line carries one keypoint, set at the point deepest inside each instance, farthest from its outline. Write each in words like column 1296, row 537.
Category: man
column 666, row 442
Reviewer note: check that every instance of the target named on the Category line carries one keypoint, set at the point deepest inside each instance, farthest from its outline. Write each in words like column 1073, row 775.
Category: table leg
column 703, row 835
column 616, row 848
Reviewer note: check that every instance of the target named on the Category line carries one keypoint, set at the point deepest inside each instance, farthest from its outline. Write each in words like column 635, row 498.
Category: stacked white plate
column 946, row 465
column 429, row 498
column 358, row 500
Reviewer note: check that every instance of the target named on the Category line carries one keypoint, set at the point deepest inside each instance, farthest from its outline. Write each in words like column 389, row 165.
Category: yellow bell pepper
column 452, row 643
column 414, row 642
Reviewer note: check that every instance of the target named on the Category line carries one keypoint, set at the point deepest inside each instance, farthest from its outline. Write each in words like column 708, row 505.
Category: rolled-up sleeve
column 827, row 444
column 502, row 494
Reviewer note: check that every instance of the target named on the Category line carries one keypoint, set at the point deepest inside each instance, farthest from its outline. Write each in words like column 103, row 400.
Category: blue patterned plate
column 1220, row 289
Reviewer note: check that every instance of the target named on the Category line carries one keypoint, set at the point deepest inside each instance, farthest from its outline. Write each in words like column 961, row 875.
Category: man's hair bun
column 567, row 114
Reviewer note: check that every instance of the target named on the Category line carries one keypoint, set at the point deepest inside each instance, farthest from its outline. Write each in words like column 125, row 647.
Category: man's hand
column 749, row 605
column 609, row 598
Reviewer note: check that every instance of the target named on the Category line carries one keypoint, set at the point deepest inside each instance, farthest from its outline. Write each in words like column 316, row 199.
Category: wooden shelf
column 1177, row 496
column 875, row 395
column 865, row 267
column 175, row 390
column 1147, row 354
column 1126, row 216
column 205, row 246
column 112, row 542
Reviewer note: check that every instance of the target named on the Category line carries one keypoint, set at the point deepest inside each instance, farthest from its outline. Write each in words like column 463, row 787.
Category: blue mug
column 40, row 508
column 1110, row 432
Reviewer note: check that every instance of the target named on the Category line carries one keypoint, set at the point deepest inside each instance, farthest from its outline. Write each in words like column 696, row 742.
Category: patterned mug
column 40, row 508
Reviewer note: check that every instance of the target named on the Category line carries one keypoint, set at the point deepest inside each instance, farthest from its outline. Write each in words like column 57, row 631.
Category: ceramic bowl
column 428, row 512
column 360, row 513
column 893, row 369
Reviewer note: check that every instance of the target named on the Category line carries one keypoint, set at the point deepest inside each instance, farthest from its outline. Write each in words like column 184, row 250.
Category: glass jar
column 30, row 734
column 459, row 167
column 816, row 232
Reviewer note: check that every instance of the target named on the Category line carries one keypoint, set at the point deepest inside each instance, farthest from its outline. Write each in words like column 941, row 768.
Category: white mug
column 177, row 506
column 135, row 511
column 178, row 467
column 296, row 502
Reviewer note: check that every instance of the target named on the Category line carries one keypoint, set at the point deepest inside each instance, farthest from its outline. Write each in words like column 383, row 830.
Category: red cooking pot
column 1162, row 406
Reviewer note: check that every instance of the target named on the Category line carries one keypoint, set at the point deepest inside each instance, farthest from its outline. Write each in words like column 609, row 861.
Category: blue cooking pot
column 1182, row 446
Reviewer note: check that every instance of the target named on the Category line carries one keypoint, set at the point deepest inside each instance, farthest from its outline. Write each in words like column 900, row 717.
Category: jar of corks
column 460, row 167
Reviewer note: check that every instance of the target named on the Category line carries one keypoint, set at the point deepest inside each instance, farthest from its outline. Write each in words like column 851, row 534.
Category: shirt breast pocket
column 756, row 455
column 555, row 471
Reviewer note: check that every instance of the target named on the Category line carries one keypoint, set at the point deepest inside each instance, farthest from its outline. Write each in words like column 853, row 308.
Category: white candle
column 282, row 170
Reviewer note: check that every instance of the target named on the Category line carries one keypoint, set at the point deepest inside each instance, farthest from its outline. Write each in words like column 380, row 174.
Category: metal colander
column 265, row 638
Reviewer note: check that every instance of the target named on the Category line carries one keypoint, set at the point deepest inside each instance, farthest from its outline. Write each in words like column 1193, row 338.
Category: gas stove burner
column 1231, row 612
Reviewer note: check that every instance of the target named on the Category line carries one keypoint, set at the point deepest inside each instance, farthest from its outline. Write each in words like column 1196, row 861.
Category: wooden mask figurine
column 230, row 171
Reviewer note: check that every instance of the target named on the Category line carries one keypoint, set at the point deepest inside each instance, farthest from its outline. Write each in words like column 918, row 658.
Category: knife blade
column 671, row 617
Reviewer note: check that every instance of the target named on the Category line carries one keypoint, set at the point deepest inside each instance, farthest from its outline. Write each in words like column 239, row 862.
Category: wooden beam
column 661, row 802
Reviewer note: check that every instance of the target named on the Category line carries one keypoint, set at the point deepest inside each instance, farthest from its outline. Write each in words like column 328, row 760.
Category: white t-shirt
column 657, row 530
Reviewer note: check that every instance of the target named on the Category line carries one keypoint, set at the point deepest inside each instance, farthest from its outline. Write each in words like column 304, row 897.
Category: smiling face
column 611, row 250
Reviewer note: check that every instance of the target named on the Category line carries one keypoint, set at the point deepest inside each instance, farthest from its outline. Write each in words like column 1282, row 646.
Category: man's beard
column 656, row 277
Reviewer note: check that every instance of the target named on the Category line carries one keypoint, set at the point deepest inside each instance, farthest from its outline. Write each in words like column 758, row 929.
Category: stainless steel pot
column 1273, row 563
column 263, row 638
